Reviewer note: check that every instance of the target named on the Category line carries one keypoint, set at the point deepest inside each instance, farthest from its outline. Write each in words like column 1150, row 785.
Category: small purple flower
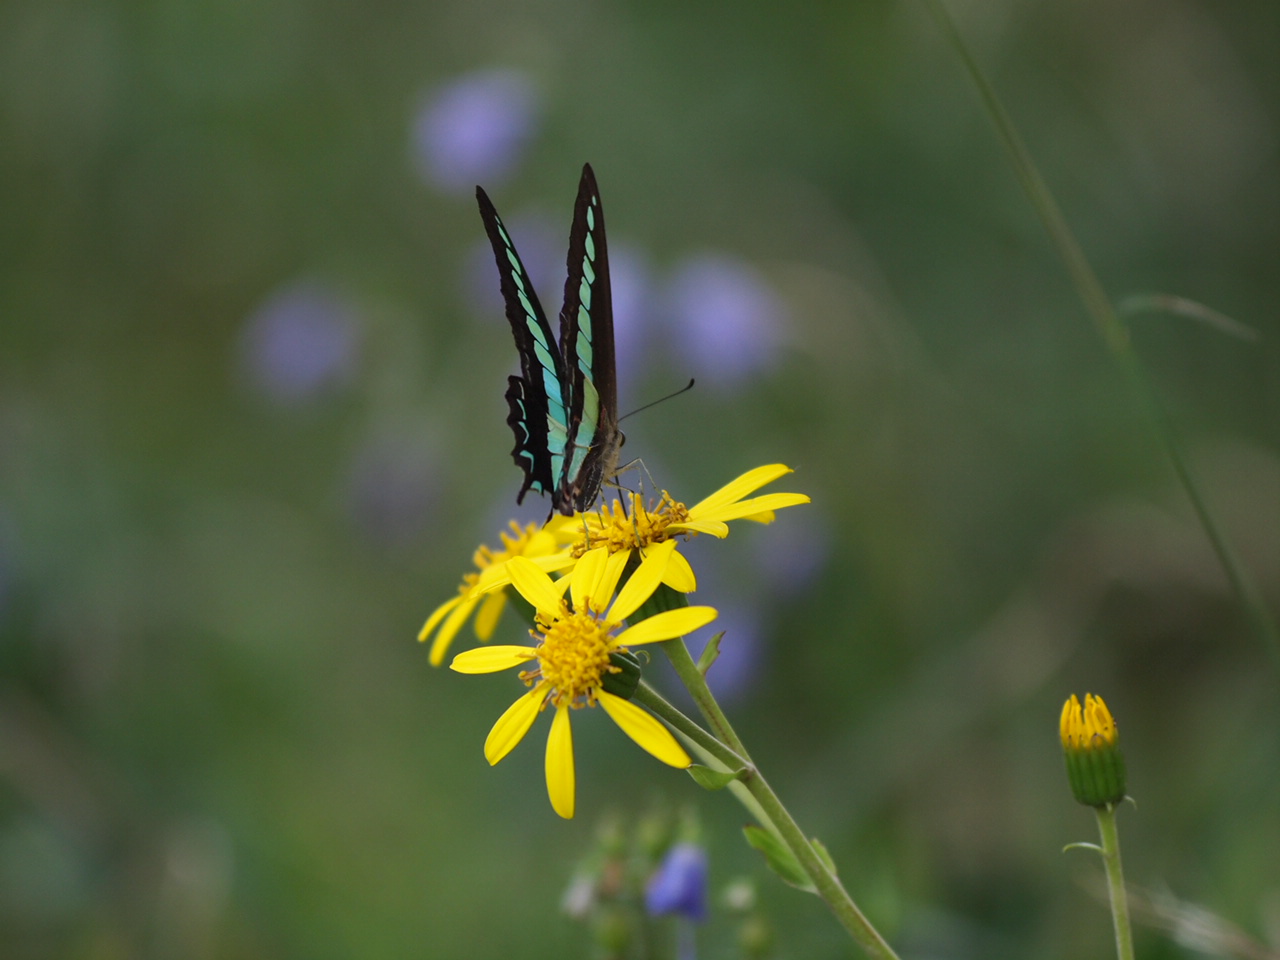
column 680, row 883
column 728, row 317
column 300, row 343
column 475, row 129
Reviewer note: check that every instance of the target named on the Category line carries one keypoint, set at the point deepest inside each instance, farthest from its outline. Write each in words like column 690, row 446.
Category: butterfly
column 564, row 404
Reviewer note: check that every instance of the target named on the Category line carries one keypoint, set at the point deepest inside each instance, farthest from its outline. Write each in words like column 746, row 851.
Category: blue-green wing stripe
column 536, row 399
column 586, row 344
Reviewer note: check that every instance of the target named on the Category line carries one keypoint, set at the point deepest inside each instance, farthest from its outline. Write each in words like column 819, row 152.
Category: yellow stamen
column 573, row 658
column 620, row 529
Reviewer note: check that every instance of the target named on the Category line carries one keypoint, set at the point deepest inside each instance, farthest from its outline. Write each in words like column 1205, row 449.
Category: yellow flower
column 1091, row 746
column 622, row 528
column 570, row 660
column 527, row 541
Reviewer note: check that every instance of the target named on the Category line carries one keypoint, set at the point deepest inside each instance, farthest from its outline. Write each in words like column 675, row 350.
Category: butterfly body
column 563, row 404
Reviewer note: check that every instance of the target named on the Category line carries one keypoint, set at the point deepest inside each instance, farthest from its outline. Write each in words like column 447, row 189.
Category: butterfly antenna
column 685, row 389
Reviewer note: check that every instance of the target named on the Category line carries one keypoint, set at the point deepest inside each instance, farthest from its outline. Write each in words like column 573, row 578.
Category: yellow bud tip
column 1090, row 727
column 1070, row 720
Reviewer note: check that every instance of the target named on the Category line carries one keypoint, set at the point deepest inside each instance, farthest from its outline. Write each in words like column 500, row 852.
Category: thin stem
column 825, row 882
column 660, row 707
column 1115, row 880
column 707, row 747
column 696, row 684
column 1114, row 333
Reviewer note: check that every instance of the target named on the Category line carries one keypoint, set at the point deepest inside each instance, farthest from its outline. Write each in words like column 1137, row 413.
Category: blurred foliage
column 217, row 735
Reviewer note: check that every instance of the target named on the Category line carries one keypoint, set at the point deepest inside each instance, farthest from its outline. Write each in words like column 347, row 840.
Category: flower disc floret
column 620, row 528
column 625, row 527
column 573, row 658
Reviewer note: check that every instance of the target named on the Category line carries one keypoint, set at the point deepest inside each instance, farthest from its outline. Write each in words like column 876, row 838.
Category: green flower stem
column 1114, row 333
column 696, row 684
column 780, row 821
column 660, row 707
column 1115, row 880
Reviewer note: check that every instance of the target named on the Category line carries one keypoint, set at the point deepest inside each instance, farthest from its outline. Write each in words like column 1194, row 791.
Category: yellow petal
column 640, row 586
column 560, row 764
column 745, row 508
column 487, row 616
column 534, row 585
column 666, row 626
column 586, row 577
column 749, row 482
column 645, row 729
column 492, row 578
column 513, row 725
column 563, row 529
column 449, row 629
column 437, row 615
column 679, row 575
column 1068, row 724
column 612, row 574
column 498, row 576
column 491, row 659
column 713, row 528
column 540, row 544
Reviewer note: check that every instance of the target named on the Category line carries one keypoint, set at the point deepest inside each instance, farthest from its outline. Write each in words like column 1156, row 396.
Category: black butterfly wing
column 537, row 399
column 587, row 349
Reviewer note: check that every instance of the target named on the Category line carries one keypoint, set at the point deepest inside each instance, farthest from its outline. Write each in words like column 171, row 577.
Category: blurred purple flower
column 391, row 489
column 475, row 129
column 727, row 317
column 300, row 343
column 680, row 883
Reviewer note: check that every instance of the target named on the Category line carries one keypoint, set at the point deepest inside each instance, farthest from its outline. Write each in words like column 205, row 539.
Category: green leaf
column 824, row 855
column 709, row 779
column 709, row 653
column 780, row 859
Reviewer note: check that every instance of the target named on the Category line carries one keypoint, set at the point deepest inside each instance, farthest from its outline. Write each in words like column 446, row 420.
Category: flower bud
column 1091, row 746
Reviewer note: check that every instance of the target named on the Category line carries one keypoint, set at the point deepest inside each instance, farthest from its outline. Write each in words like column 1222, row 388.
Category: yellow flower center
column 621, row 529
column 573, row 658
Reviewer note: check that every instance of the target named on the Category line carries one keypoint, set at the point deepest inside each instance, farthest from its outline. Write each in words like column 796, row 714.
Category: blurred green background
column 252, row 364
